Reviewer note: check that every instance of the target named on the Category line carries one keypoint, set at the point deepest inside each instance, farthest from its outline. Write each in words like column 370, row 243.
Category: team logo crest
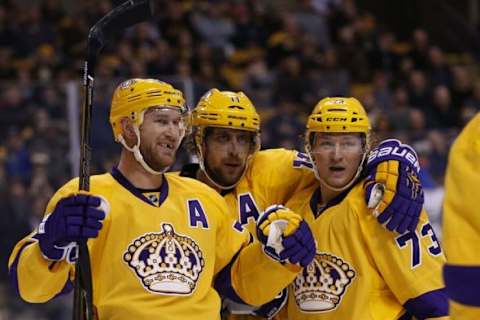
column 320, row 286
column 153, row 197
column 127, row 84
column 166, row 262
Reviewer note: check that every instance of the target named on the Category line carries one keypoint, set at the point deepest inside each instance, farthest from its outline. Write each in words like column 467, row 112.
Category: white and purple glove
column 75, row 218
column 285, row 236
column 392, row 186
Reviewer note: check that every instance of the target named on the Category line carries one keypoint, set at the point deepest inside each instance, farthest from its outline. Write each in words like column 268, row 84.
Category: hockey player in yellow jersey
column 461, row 224
column 361, row 270
column 159, row 243
column 226, row 139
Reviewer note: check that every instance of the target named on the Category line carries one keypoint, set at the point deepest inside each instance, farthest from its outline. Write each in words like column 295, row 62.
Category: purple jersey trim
column 406, row 316
column 13, row 274
column 463, row 283
column 117, row 175
column 429, row 305
column 223, row 280
column 223, row 283
column 316, row 199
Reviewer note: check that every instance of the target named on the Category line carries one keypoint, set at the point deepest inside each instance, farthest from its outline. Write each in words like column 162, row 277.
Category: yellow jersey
column 461, row 223
column 157, row 254
column 362, row 270
column 272, row 177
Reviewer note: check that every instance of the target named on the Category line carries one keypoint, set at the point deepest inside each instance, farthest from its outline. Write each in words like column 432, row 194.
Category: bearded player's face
column 161, row 133
column 226, row 153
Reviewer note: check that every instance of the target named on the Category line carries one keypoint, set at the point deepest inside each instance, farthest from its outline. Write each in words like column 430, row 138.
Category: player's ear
column 127, row 130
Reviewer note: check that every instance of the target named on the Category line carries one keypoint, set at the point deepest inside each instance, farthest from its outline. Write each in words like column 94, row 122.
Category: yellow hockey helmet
column 338, row 115
column 226, row 109
column 132, row 97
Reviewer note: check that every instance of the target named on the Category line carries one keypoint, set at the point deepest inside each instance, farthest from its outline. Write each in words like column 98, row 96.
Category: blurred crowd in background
column 285, row 55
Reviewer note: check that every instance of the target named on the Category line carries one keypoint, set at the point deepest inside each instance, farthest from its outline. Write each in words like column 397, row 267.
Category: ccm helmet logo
column 336, row 119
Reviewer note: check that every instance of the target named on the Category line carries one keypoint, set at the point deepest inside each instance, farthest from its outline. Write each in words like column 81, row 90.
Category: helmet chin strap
column 137, row 154
column 136, row 148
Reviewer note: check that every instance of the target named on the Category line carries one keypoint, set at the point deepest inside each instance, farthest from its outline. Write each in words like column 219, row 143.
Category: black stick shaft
column 123, row 16
column 83, row 293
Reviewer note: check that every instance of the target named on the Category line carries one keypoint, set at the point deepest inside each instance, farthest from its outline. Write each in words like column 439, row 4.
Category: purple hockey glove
column 75, row 218
column 393, row 168
column 285, row 236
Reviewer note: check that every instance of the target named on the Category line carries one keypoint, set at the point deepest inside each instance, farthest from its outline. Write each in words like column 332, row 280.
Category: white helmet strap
column 137, row 154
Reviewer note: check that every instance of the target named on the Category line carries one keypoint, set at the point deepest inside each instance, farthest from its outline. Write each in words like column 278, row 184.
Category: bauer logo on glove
column 393, row 149
column 392, row 187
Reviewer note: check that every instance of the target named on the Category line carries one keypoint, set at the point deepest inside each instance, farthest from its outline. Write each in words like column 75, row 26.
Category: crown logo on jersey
column 166, row 262
column 320, row 286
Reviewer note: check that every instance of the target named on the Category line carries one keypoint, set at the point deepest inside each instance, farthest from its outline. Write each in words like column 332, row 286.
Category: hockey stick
column 121, row 17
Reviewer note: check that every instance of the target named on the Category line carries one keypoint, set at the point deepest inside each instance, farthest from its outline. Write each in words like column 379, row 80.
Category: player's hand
column 394, row 166
column 285, row 236
column 75, row 218
column 272, row 308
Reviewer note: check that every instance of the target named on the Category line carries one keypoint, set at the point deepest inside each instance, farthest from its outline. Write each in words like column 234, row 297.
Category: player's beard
column 155, row 160
column 224, row 179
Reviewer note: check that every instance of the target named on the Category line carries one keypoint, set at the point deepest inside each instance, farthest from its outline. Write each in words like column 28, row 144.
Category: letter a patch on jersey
column 197, row 214
column 247, row 208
